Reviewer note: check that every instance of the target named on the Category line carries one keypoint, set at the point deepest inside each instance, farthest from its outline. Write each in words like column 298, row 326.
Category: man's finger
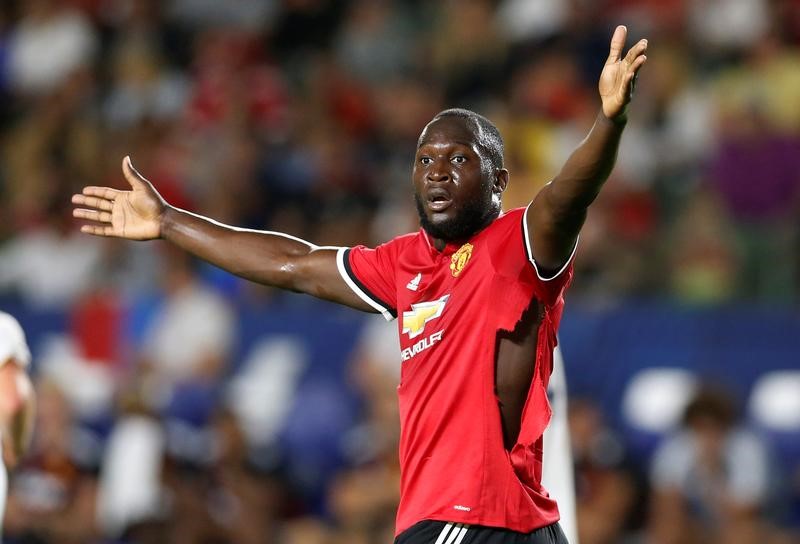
column 617, row 43
column 97, row 231
column 132, row 175
column 92, row 215
column 93, row 202
column 102, row 192
column 636, row 51
column 637, row 63
column 632, row 75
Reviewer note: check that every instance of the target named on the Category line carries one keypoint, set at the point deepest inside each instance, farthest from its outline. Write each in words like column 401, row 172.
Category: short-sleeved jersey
column 12, row 341
column 451, row 305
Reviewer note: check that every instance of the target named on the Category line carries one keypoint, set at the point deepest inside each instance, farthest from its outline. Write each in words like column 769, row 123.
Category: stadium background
column 179, row 404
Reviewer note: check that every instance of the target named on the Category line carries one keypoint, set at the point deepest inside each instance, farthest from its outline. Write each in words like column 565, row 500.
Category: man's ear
column 500, row 180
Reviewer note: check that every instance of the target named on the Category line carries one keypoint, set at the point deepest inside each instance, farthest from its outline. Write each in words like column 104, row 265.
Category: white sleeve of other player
column 557, row 468
column 12, row 341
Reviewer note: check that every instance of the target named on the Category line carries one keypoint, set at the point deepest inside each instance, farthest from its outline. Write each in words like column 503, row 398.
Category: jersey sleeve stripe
column 529, row 250
column 346, row 271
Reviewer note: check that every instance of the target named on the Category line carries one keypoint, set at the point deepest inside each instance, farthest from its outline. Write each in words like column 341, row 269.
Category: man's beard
column 472, row 217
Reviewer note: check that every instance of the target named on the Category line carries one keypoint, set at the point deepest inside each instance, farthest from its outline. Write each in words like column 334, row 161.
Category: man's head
column 709, row 417
column 458, row 174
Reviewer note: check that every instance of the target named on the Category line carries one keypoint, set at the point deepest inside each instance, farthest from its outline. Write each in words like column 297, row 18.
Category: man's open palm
column 134, row 214
column 619, row 73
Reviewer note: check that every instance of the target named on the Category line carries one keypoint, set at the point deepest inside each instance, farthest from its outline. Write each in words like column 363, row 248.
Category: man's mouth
column 438, row 200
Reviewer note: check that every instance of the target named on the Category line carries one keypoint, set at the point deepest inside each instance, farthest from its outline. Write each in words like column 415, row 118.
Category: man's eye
column 426, row 160
column 459, row 159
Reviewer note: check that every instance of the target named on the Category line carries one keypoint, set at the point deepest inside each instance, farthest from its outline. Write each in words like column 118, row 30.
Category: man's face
column 453, row 186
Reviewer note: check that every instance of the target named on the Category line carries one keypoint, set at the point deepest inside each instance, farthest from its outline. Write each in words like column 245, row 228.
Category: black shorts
column 442, row 532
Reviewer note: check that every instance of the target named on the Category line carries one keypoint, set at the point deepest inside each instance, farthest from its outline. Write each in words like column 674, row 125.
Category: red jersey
column 454, row 466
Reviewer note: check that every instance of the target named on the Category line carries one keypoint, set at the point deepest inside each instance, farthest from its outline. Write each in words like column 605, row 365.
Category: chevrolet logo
column 422, row 312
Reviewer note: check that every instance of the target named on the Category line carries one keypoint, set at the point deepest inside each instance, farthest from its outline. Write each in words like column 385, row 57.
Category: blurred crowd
column 301, row 116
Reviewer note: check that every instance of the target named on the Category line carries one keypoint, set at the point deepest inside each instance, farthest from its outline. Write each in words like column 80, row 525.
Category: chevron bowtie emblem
column 421, row 313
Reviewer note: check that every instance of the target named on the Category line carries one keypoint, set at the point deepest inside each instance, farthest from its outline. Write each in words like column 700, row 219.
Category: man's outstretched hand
column 134, row 214
column 619, row 74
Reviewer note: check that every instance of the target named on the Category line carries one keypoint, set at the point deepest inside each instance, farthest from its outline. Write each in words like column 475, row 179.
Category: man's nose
column 438, row 173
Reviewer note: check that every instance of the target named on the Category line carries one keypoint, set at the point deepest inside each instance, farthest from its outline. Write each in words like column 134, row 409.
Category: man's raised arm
column 559, row 210
column 269, row 258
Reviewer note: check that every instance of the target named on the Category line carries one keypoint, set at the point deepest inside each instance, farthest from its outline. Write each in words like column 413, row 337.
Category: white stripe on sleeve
column 356, row 289
column 529, row 250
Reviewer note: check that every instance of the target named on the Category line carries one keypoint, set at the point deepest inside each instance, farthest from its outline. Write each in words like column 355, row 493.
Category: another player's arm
column 559, row 210
column 17, row 410
column 270, row 258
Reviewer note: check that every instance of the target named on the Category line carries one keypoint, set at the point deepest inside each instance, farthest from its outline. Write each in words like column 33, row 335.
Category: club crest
column 460, row 259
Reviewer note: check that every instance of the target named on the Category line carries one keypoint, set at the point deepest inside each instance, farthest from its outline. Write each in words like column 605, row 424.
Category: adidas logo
column 413, row 285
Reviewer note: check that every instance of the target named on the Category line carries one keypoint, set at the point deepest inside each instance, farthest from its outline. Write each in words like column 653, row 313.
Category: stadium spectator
column 50, row 43
column 27, row 262
column 606, row 487
column 188, row 338
column 711, row 479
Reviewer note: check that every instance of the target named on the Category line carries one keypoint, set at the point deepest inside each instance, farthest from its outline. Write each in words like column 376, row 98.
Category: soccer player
column 479, row 295
column 16, row 399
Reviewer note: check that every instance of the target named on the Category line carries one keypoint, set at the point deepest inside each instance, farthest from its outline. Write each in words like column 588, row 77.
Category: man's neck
column 440, row 244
